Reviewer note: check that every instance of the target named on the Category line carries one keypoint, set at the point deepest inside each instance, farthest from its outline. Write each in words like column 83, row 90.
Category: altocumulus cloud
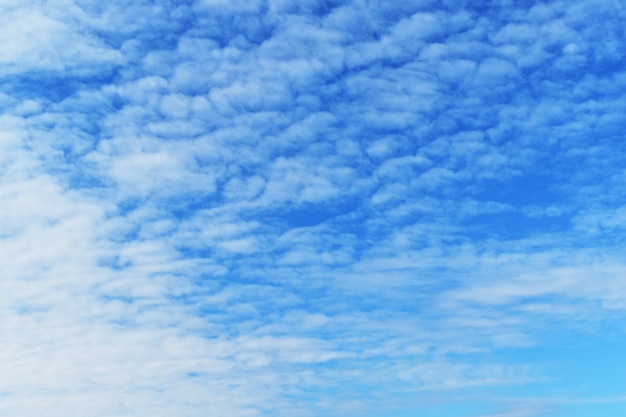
column 284, row 208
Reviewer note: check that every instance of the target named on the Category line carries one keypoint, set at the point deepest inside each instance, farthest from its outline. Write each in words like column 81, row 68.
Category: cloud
column 322, row 208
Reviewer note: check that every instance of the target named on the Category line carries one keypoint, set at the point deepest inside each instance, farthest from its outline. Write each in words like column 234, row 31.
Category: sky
column 306, row 208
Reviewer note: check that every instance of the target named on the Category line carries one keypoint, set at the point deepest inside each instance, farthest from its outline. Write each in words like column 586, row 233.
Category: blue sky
column 271, row 208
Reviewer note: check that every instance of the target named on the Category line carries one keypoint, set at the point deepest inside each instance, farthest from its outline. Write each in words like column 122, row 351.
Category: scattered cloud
column 271, row 208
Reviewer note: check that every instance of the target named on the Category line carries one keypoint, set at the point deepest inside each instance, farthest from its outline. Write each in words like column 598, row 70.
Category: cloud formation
column 272, row 208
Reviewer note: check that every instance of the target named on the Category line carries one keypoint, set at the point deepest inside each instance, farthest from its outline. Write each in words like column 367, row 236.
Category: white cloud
column 249, row 208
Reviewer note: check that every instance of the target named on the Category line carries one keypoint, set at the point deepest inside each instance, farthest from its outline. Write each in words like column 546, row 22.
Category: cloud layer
column 275, row 208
